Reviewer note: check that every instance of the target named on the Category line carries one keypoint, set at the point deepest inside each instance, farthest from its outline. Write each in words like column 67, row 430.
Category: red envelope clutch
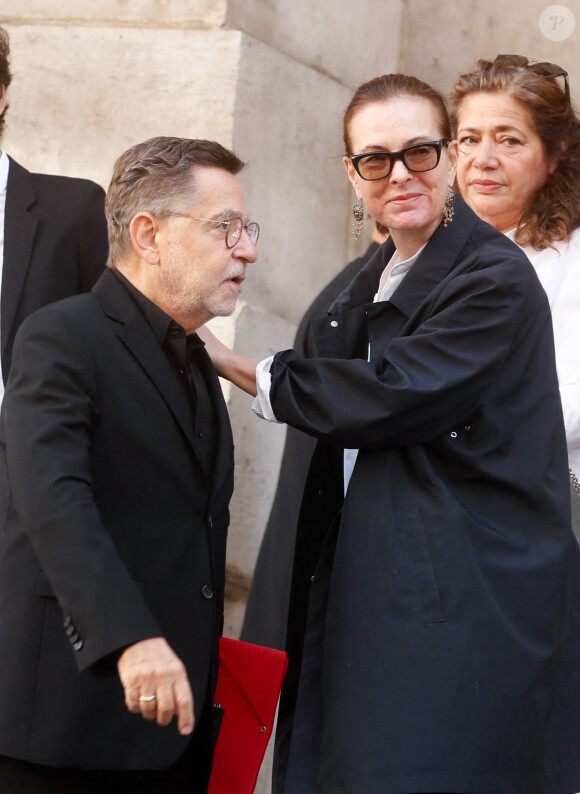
column 249, row 683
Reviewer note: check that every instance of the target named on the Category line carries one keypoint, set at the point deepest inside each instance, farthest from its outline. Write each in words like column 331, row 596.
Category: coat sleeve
column 419, row 384
column 50, row 411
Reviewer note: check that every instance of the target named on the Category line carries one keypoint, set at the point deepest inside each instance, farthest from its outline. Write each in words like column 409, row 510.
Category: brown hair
column 554, row 211
column 156, row 176
column 393, row 86
column 5, row 74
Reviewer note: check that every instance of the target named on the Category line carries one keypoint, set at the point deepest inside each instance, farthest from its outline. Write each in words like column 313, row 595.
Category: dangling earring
column 448, row 209
column 358, row 212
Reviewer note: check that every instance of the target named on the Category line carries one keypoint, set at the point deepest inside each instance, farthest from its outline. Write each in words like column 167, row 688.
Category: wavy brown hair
column 554, row 211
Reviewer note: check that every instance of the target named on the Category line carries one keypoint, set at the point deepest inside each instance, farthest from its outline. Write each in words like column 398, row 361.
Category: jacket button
column 67, row 621
column 210, row 522
column 207, row 591
column 70, row 630
column 334, row 324
column 78, row 645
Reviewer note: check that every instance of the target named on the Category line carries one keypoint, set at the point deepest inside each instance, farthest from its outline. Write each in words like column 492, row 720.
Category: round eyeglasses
column 418, row 157
column 232, row 228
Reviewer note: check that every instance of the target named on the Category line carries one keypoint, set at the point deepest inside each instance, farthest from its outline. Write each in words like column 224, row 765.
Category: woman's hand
column 238, row 369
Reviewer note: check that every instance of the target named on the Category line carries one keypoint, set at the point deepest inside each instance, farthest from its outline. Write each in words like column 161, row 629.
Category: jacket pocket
column 422, row 571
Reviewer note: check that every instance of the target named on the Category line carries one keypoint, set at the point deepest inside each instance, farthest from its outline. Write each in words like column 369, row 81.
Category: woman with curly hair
column 519, row 169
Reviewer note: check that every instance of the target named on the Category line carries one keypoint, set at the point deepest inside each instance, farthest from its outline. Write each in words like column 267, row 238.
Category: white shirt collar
column 4, row 166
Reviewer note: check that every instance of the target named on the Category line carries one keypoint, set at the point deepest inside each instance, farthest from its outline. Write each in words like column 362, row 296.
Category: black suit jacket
column 55, row 245
column 110, row 533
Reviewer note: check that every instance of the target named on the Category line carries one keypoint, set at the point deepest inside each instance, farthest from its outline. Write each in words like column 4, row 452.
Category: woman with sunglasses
column 427, row 635
column 519, row 169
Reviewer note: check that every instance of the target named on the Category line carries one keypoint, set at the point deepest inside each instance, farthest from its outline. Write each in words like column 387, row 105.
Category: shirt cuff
column 262, row 406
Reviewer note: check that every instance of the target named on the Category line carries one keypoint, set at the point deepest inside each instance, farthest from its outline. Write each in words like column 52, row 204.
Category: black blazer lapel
column 139, row 339
column 223, row 457
column 19, row 233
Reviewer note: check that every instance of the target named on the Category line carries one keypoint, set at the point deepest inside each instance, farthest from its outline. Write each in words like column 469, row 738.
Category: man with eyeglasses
column 119, row 456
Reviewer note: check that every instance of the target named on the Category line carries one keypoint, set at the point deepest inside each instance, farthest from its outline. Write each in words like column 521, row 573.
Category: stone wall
column 440, row 40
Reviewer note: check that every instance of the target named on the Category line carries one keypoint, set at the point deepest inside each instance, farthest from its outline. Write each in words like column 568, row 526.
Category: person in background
column 428, row 645
column 267, row 608
column 117, row 456
column 53, row 235
column 519, row 169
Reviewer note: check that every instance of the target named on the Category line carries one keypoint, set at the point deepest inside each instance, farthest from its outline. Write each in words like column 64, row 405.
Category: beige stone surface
column 347, row 41
column 441, row 40
column 81, row 95
column 141, row 12
column 295, row 184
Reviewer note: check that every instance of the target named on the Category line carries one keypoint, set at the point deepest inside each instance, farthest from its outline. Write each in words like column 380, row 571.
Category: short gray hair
column 156, row 176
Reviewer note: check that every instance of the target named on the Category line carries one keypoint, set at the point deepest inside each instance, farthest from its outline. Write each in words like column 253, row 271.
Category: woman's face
column 409, row 204
column 502, row 162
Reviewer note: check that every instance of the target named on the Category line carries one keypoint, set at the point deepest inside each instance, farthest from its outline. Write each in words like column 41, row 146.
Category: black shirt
column 190, row 362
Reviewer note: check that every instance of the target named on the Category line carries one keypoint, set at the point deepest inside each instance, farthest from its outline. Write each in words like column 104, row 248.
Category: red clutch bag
column 249, row 682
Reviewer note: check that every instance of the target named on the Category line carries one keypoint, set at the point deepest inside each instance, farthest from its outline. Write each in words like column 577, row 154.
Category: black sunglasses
column 418, row 157
column 538, row 66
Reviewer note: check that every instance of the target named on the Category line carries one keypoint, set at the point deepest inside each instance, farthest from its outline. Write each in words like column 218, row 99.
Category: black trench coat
column 438, row 615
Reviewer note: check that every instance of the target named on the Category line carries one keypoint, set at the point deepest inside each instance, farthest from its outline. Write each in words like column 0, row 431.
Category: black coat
column 111, row 532
column 267, row 608
column 55, row 245
column 439, row 609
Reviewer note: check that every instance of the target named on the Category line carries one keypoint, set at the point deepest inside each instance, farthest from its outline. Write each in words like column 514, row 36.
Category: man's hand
column 238, row 369
column 149, row 668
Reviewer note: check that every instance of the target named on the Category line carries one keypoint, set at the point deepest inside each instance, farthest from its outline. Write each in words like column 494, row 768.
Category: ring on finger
column 147, row 698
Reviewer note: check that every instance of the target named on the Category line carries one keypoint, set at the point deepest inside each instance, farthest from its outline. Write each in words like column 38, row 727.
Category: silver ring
column 147, row 698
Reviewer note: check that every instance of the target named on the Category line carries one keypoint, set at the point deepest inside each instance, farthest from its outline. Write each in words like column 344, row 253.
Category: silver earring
column 358, row 212
column 448, row 209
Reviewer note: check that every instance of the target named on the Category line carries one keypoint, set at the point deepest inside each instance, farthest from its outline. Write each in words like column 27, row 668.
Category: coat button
column 67, row 621
column 70, row 630
column 74, row 638
column 210, row 522
column 207, row 591
column 334, row 323
column 78, row 645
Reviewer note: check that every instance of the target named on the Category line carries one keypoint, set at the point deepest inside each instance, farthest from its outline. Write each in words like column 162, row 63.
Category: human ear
column 143, row 230
column 453, row 154
column 351, row 173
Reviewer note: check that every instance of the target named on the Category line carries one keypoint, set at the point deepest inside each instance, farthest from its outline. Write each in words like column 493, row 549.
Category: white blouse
column 559, row 273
